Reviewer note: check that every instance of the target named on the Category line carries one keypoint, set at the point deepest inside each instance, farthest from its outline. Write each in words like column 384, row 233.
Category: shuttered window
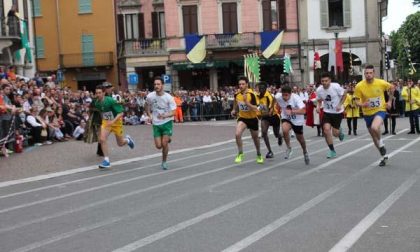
column 347, row 13
column 189, row 15
column 85, row 6
column 37, row 8
column 266, row 10
column 134, row 26
column 335, row 13
column 158, row 25
column 121, row 34
column 230, row 18
column 282, row 15
column 88, row 50
column 40, row 48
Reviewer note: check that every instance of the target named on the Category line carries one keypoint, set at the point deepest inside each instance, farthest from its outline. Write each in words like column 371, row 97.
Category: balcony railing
column 231, row 40
column 10, row 27
column 143, row 47
column 79, row 60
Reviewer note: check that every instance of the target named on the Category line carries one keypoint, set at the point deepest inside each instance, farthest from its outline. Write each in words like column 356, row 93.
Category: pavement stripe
column 256, row 236
column 120, row 162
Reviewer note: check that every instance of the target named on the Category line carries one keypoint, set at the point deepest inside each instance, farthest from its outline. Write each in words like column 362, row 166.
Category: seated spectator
column 35, row 126
column 54, row 126
column 131, row 118
column 144, row 118
column 79, row 132
column 43, row 119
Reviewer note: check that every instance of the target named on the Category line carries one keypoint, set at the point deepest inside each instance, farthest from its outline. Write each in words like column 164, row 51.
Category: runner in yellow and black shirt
column 246, row 106
column 269, row 117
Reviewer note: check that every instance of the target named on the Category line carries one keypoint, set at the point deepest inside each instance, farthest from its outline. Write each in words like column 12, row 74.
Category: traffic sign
column 167, row 79
column 133, row 79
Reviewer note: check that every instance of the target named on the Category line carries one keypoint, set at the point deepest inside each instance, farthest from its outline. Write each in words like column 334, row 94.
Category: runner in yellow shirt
column 369, row 94
column 246, row 106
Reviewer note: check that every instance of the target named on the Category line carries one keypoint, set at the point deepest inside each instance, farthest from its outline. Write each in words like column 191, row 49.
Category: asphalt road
column 205, row 202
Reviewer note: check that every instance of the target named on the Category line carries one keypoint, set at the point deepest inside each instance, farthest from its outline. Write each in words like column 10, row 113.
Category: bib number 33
column 374, row 102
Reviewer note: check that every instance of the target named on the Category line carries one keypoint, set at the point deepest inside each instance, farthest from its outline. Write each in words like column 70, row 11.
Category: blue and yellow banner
column 195, row 47
column 270, row 42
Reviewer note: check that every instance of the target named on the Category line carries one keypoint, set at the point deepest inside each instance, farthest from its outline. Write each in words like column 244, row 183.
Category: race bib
column 242, row 106
column 263, row 109
column 328, row 105
column 374, row 102
column 291, row 117
column 108, row 116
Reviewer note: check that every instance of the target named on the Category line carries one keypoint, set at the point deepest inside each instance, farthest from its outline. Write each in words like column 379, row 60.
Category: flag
column 270, row 42
column 195, row 47
column 335, row 52
column 287, row 64
column 252, row 67
column 351, row 64
column 25, row 42
column 317, row 61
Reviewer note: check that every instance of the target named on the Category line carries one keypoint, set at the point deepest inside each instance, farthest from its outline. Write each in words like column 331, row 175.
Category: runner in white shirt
column 160, row 108
column 292, row 113
column 332, row 95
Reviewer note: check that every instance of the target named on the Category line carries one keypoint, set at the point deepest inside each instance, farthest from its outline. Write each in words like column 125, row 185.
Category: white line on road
column 256, row 236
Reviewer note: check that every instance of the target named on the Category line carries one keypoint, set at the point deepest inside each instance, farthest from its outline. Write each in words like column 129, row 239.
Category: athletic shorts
column 369, row 119
column 297, row 129
column 251, row 123
column 333, row 119
column 116, row 128
column 163, row 129
column 272, row 120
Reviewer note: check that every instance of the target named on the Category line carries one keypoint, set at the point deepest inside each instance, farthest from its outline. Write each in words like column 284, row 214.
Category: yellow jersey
column 372, row 93
column 267, row 103
column 244, row 110
column 350, row 106
column 412, row 94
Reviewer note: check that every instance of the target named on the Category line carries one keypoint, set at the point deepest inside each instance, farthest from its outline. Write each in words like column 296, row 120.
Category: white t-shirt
column 296, row 103
column 160, row 105
column 331, row 97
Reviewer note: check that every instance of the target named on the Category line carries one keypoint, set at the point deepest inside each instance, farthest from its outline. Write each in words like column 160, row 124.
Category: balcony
column 9, row 33
column 81, row 60
column 238, row 40
column 142, row 47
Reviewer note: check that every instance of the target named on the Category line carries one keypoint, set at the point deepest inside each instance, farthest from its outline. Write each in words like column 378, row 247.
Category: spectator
column 79, row 132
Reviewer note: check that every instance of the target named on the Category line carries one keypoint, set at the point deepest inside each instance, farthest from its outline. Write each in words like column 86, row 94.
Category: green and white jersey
column 108, row 107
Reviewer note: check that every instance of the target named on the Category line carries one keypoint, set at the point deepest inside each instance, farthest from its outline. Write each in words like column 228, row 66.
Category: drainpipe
column 35, row 45
column 299, row 45
column 366, row 32
column 57, row 5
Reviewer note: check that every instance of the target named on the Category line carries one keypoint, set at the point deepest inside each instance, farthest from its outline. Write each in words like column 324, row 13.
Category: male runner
column 161, row 107
column 292, row 114
column 332, row 95
column 246, row 105
column 370, row 96
column 269, row 117
column 108, row 92
column 112, row 114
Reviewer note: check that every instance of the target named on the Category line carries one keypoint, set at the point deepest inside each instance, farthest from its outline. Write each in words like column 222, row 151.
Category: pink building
column 152, row 42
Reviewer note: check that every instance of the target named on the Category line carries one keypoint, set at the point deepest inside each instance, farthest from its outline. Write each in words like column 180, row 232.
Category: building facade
column 16, row 37
column 357, row 23
column 76, row 40
column 151, row 37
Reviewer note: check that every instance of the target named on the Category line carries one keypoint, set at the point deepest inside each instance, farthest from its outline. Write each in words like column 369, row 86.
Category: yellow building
column 77, row 37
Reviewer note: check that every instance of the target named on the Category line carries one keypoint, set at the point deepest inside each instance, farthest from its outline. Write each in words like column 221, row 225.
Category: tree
column 407, row 33
column 416, row 2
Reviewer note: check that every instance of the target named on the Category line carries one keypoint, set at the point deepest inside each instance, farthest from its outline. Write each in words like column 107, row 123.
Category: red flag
column 317, row 61
column 339, row 55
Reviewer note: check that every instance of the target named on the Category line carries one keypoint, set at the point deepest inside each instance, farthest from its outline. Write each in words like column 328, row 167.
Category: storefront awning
column 186, row 65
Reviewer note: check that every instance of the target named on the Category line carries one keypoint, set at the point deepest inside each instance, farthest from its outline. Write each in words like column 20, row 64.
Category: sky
column 398, row 10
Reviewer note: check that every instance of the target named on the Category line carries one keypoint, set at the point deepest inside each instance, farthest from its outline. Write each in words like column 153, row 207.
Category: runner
column 269, row 117
column 292, row 114
column 112, row 114
column 161, row 107
column 369, row 95
column 246, row 106
column 108, row 92
column 332, row 95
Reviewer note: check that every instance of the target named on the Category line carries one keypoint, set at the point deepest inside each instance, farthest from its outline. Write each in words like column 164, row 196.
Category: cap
column 106, row 84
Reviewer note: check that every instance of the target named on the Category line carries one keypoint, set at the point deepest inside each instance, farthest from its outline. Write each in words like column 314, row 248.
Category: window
column 189, row 15
column 85, row 6
column 40, row 47
column 230, row 18
column 274, row 15
column 25, row 10
column 335, row 13
column 37, row 8
column 121, row 33
column 88, row 55
column 158, row 24
column 134, row 26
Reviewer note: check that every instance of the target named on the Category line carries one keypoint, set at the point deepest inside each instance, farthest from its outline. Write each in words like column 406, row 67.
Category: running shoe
column 383, row 161
column 279, row 140
column 289, row 153
column 105, row 164
column 239, row 158
column 382, row 150
column 341, row 135
column 260, row 159
column 164, row 166
column 130, row 142
column 306, row 157
column 331, row 154
column 269, row 154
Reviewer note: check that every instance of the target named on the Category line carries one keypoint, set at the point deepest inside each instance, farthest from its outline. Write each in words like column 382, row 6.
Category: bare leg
column 254, row 135
column 264, row 130
column 240, row 128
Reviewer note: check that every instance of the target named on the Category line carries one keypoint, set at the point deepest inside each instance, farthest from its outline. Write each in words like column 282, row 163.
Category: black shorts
column 333, row 119
column 251, row 123
column 272, row 120
column 297, row 129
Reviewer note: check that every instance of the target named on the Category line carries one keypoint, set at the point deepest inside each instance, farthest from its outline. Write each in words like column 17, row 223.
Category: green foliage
column 410, row 32
column 416, row 2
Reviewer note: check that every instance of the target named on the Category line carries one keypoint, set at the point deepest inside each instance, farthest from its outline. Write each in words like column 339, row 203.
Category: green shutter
column 324, row 13
column 37, row 8
column 40, row 51
column 347, row 13
column 88, row 55
column 85, row 6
